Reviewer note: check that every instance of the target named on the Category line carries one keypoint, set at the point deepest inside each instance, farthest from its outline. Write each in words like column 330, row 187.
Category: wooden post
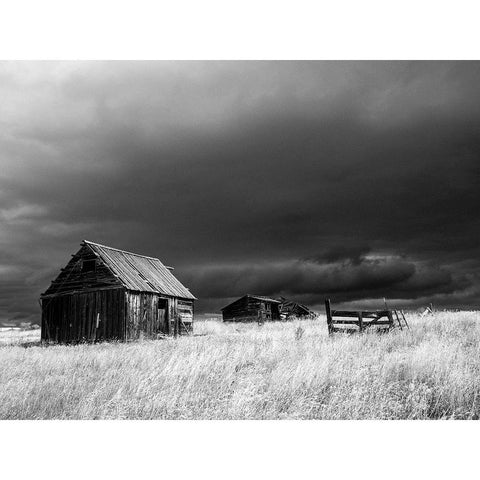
column 328, row 311
column 390, row 318
column 360, row 321
column 398, row 320
column 177, row 319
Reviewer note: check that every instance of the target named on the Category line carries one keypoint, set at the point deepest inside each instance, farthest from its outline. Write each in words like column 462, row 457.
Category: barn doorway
column 161, row 327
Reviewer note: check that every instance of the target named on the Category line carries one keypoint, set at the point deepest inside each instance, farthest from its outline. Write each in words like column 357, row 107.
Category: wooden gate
column 350, row 321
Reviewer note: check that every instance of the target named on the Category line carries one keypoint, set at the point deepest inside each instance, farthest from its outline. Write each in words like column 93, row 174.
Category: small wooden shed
column 108, row 294
column 252, row 308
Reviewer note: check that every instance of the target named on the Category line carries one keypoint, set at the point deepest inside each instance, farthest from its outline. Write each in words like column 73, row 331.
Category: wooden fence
column 349, row 321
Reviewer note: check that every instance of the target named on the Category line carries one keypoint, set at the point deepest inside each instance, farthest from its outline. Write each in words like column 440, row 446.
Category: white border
column 238, row 450
column 251, row 29
column 241, row 30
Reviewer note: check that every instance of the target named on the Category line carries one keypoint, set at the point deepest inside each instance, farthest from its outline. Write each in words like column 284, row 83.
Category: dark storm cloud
column 354, row 254
column 370, row 278
column 352, row 179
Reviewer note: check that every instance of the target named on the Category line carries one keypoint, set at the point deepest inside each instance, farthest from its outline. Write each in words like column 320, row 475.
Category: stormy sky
column 352, row 180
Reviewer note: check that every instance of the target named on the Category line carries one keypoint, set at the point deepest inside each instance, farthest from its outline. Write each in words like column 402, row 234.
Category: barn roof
column 139, row 272
column 264, row 299
column 257, row 297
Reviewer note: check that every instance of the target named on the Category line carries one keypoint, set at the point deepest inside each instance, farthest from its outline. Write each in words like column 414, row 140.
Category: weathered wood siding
column 249, row 309
column 185, row 313
column 239, row 311
column 84, row 317
column 147, row 315
column 73, row 278
column 113, row 314
column 150, row 315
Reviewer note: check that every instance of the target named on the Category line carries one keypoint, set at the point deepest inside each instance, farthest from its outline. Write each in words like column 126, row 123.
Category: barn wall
column 239, row 311
column 121, row 315
column 147, row 315
column 249, row 309
column 185, row 312
column 88, row 316
column 150, row 315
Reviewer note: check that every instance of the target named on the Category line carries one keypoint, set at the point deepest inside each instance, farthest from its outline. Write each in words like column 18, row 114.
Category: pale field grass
column 282, row 370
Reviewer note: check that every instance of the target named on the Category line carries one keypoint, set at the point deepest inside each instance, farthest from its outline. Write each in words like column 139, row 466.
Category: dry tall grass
column 280, row 370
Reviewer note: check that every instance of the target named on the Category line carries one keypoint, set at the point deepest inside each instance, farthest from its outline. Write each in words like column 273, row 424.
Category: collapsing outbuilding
column 252, row 308
column 290, row 309
column 108, row 294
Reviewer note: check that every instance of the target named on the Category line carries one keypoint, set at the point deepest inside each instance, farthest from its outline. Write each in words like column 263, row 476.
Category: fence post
column 360, row 321
column 390, row 318
column 329, row 315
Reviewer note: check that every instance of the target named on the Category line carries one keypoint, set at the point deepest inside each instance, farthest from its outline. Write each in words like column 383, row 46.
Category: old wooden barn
column 108, row 294
column 252, row 308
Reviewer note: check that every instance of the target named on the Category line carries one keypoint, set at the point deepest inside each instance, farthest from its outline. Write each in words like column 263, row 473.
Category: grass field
column 278, row 371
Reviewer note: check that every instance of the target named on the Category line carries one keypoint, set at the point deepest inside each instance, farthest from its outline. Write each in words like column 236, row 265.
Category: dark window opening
column 89, row 266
